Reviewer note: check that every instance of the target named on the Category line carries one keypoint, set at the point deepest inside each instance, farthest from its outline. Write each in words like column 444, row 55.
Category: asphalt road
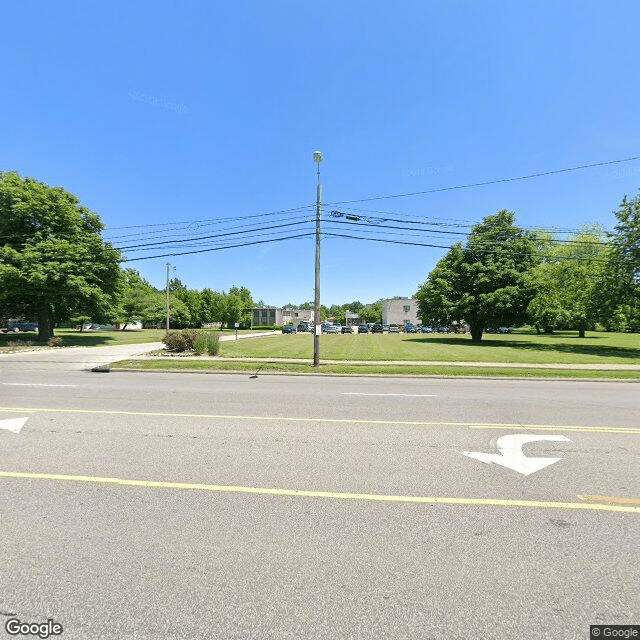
column 166, row 506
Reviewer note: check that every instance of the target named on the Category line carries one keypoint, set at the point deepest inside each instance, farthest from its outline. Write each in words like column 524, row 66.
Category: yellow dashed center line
column 412, row 423
column 331, row 495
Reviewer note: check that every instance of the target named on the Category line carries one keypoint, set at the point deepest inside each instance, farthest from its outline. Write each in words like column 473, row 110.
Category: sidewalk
column 57, row 360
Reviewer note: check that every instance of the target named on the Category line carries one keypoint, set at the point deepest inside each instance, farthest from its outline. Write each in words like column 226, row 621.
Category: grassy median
column 409, row 369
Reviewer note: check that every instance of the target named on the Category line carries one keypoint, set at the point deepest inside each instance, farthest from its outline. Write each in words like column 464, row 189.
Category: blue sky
column 193, row 116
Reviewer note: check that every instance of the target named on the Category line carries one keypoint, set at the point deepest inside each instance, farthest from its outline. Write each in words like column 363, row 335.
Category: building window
column 406, row 308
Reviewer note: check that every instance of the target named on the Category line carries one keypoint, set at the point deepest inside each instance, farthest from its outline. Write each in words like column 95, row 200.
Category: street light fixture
column 317, row 158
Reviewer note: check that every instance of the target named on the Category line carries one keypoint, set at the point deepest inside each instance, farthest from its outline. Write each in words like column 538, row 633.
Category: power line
column 441, row 222
column 190, row 227
column 217, row 235
column 477, row 248
column 232, row 246
column 489, row 182
column 209, row 243
column 234, row 218
column 401, row 195
column 355, row 222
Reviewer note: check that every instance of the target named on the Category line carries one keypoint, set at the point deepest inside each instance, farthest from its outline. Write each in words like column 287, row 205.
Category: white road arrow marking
column 511, row 455
column 14, row 424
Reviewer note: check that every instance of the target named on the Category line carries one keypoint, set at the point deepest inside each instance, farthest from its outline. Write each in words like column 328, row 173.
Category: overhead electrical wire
column 490, row 182
column 401, row 195
column 440, row 231
column 478, row 248
column 355, row 221
column 233, row 246
column 217, row 235
column 164, row 229
column 441, row 222
column 211, row 243
column 192, row 227
column 229, row 219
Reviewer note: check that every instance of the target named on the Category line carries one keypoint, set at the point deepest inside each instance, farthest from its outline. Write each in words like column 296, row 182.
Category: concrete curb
column 371, row 375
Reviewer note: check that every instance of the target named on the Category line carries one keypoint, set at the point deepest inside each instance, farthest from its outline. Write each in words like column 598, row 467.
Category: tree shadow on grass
column 88, row 340
column 569, row 344
column 75, row 340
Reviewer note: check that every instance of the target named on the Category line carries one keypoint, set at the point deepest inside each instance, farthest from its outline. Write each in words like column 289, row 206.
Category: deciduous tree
column 570, row 281
column 482, row 281
column 624, row 264
column 54, row 263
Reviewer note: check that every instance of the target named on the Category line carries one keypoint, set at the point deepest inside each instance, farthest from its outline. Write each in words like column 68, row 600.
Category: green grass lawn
column 560, row 348
column 75, row 338
column 409, row 369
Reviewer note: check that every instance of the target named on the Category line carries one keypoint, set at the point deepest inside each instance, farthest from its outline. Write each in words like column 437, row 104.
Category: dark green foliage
column 54, row 263
column 569, row 282
column 483, row 281
column 237, row 307
column 624, row 264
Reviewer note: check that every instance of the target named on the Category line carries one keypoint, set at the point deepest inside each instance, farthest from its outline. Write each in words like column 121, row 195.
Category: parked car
column 410, row 328
column 346, row 329
column 22, row 326
column 385, row 327
column 504, row 330
column 303, row 327
column 288, row 329
column 333, row 328
column 377, row 328
column 426, row 329
column 443, row 329
column 393, row 328
column 363, row 328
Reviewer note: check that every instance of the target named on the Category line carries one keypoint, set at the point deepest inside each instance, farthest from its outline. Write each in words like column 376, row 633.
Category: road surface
column 166, row 506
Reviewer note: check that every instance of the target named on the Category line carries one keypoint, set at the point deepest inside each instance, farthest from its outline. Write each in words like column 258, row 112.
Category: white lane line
column 32, row 384
column 404, row 395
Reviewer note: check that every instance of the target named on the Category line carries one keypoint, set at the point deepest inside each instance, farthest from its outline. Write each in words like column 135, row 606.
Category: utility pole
column 169, row 268
column 317, row 158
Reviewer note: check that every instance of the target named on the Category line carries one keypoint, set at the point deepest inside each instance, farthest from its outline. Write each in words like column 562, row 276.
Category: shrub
column 207, row 343
column 55, row 341
column 183, row 340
